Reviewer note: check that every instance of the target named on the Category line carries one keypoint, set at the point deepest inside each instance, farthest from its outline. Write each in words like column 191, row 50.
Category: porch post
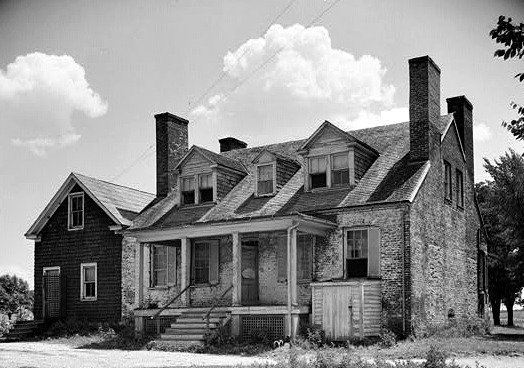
column 140, row 275
column 293, row 264
column 237, row 277
column 185, row 268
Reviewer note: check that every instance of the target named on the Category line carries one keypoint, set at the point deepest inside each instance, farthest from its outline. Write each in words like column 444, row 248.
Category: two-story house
column 353, row 231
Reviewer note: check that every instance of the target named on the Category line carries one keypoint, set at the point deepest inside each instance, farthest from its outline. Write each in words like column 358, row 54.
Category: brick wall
column 68, row 249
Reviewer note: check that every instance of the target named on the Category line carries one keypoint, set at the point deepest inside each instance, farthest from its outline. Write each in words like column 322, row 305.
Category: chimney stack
column 171, row 146
column 424, row 105
column 230, row 143
column 462, row 111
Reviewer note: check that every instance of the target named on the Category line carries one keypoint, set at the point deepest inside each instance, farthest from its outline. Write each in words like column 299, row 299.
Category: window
column 205, row 262
column 205, row 188
column 340, row 169
column 447, row 181
column 188, row 190
column 88, row 276
column 163, row 265
column 304, row 256
column 265, row 179
column 460, row 188
column 76, row 211
column 317, row 172
column 363, row 253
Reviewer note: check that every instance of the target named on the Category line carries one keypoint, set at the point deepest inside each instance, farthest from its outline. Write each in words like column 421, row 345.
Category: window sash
column 357, row 244
column 304, row 256
column 340, row 161
column 163, row 265
column 188, row 184
column 460, row 188
column 206, row 181
column 76, row 210
column 447, row 181
column 89, row 281
column 317, row 165
column 201, row 263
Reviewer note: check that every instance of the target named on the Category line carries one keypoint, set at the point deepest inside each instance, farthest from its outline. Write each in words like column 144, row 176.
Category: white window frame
column 70, row 226
column 274, row 164
column 154, row 284
column 329, row 169
column 84, row 298
column 196, row 181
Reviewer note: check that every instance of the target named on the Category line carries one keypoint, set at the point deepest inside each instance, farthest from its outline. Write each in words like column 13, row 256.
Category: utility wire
column 134, row 163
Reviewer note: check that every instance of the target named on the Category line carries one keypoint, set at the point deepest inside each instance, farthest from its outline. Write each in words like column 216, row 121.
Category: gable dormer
column 206, row 177
column 334, row 158
column 272, row 172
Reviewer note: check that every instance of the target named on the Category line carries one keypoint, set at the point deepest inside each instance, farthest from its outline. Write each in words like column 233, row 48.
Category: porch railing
column 215, row 304
column 155, row 316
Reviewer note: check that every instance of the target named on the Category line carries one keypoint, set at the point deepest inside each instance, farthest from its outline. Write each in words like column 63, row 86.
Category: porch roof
column 304, row 223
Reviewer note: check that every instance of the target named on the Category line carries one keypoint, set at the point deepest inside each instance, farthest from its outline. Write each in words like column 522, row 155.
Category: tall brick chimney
column 230, row 143
column 462, row 111
column 424, row 105
column 171, row 146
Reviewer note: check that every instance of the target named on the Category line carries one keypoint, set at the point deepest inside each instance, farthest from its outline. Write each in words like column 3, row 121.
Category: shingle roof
column 124, row 203
column 216, row 158
column 390, row 178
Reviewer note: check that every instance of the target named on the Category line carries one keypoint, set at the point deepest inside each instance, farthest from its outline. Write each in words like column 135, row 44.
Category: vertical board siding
column 331, row 302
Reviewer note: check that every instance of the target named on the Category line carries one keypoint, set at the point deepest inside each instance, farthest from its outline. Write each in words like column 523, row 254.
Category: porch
column 258, row 273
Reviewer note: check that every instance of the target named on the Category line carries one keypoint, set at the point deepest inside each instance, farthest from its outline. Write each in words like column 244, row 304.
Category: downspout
column 402, row 214
column 289, row 286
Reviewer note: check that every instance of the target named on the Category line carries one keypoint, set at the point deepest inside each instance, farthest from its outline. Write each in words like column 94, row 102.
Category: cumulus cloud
column 39, row 94
column 481, row 132
column 291, row 80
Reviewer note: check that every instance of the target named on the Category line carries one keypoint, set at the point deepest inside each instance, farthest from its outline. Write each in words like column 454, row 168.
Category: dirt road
column 48, row 355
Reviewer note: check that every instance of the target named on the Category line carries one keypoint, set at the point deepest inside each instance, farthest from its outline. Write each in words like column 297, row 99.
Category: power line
column 134, row 163
column 224, row 72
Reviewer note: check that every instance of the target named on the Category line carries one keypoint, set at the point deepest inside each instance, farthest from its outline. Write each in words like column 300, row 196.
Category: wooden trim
column 70, row 198
column 274, row 164
column 82, row 297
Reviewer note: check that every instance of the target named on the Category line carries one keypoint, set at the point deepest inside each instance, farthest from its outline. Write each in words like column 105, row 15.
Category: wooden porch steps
column 190, row 328
column 23, row 329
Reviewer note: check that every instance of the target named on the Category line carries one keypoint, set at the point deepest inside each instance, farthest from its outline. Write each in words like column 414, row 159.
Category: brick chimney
column 462, row 111
column 424, row 105
column 230, row 143
column 171, row 146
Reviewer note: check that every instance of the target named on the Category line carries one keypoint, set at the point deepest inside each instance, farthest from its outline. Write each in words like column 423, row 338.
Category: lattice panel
column 150, row 324
column 52, row 295
column 272, row 325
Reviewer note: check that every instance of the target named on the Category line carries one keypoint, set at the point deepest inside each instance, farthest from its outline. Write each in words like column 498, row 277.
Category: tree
column 512, row 37
column 15, row 295
column 502, row 205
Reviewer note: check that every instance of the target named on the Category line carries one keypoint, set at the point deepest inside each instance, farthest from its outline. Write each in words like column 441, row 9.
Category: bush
column 5, row 324
column 218, row 336
column 461, row 327
column 313, row 334
column 388, row 339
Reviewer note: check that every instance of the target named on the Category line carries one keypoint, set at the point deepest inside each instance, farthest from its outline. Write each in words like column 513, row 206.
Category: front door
column 51, row 292
column 249, row 266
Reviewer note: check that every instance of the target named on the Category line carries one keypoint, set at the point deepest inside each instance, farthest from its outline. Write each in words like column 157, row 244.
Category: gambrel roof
column 122, row 204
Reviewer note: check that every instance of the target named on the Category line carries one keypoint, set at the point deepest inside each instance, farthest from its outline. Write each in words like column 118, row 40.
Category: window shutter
column 171, row 267
column 374, row 253
column 282, row 258
column 213, row 263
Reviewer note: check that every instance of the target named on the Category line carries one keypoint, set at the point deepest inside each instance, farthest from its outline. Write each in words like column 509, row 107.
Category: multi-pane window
column 265, row 179
column 88, row 277
column 76, row 211
column 205, row 188
column 448, row 186
column 317, row 172
column 304, row 256
column 340, row 169
column 205, row 262
column 188, row 190
column 357, row 253
column 163, row 265
column 460, row 188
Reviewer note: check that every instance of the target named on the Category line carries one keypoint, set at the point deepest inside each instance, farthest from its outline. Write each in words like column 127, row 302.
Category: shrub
column 5, row 324
column 461, row 327
column 388, row 339
column 218, row 336
column 313, row 334
column 259, row 336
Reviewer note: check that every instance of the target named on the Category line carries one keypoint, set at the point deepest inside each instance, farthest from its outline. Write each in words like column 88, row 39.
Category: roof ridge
column 114, row 184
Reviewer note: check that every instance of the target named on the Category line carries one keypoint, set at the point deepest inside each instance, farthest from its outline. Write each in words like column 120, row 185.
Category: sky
column 80, row 82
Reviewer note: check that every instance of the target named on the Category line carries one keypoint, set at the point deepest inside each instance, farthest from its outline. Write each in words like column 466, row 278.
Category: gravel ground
column 47, row 355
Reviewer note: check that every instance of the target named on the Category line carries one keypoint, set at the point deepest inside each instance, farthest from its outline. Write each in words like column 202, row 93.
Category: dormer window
column 317, row 172
column 76, row 211
column 339, row 169
column 205, row 188
column 265, row 179
column 188, row 190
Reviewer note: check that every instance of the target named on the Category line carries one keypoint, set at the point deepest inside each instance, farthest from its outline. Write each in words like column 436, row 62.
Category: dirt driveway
column 47, row 355
column 52, row 355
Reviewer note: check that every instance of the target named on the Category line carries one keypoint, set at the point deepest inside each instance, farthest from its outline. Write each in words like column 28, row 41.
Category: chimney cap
column 460, row 99
column 232, row 140
column 171, row 117
column 424, row 59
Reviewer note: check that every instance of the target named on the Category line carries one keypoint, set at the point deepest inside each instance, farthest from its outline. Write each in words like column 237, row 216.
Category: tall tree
column 502, row 205
column 511, row 36
column 14, row 295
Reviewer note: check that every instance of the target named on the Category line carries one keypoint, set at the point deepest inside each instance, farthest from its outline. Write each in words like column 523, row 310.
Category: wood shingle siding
column 68, row 249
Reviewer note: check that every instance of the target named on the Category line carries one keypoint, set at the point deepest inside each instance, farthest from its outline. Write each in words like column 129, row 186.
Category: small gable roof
column 214, row 158
column 122, row 204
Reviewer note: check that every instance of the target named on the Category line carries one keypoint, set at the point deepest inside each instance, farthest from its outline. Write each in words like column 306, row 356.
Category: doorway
column 249, row 267
column 51, row 292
